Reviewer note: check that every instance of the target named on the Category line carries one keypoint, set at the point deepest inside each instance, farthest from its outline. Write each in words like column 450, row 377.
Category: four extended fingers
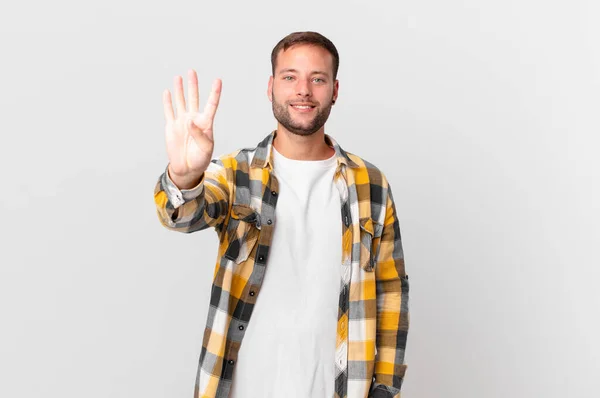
column 211, row 106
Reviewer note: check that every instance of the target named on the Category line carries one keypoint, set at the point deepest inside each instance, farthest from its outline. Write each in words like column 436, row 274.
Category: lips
column 303, row 107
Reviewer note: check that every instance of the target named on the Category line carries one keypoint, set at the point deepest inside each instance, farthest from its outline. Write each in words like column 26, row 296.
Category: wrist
column 186, row 181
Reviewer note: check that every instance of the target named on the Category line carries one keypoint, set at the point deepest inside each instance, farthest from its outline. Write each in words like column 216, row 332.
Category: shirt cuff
column 177, row 196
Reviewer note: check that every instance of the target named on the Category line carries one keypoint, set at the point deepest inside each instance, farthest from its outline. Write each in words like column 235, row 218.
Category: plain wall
column 484, row 115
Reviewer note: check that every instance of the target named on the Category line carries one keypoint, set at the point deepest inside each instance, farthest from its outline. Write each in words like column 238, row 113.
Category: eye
column 318, row 80
column 288, row 78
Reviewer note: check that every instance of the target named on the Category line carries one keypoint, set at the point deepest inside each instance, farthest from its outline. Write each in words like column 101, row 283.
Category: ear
column 336, row 89
column 270, row 89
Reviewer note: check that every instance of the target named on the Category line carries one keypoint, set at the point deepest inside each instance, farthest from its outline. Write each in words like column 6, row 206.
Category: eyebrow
column 287, row 70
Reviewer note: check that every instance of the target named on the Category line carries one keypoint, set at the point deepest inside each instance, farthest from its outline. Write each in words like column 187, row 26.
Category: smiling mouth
column 303, row 108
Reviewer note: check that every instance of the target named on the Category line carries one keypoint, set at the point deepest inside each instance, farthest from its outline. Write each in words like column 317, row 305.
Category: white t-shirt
column 289, row 346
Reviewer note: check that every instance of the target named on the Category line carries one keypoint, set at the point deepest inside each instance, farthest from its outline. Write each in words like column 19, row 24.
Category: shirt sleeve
column 190, row 210
column 392, row 309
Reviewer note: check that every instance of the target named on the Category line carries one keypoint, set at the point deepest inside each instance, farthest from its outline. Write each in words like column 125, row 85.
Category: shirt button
column 261, row 258
column 252, row 293
column 273, row 193
column 269, row 222
column 241, row 327
column 230, row 362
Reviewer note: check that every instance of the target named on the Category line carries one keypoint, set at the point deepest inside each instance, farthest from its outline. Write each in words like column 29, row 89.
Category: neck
column 298, row 147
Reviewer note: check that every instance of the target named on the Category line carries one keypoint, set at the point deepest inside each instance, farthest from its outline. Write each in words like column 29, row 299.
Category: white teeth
column 301, row 106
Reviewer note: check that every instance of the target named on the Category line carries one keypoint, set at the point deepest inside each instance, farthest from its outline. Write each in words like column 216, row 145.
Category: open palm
column 189, row 134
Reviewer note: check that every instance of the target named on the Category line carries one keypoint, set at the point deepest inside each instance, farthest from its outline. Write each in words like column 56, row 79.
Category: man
column 310, row 273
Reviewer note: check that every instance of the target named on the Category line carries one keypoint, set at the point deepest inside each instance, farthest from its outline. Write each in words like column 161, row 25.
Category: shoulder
column 367, row 172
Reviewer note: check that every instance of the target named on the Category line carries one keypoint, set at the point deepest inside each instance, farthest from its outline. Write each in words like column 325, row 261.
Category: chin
column 303, row 132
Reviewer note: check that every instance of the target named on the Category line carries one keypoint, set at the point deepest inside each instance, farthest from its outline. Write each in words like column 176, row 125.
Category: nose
column 303, row 88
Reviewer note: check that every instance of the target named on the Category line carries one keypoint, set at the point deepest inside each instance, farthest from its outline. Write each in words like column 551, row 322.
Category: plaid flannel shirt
column 237, row 197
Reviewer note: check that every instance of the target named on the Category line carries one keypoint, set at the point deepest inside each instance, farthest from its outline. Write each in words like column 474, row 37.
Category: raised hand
column 189, row 135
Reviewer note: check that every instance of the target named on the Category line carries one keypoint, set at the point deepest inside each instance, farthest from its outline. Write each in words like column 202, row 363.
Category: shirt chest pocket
column 370, row 240
column 242, row 233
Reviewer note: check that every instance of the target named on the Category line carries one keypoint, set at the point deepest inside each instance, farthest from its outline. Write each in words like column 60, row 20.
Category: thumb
column 200, row 122
column 198, row 134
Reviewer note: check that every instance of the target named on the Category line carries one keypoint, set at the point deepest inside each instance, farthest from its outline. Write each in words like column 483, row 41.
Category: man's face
column 302, row 88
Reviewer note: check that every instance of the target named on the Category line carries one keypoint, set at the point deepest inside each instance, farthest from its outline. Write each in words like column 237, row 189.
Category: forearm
column 392, row 331
column 189, row 210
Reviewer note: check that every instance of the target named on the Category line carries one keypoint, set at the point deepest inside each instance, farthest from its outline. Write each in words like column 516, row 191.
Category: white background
column 483, row 115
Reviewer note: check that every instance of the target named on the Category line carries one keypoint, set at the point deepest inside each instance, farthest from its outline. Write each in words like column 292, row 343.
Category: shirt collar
column 264, row 152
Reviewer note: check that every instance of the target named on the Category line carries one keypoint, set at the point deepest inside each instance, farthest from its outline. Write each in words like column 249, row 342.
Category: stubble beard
column 281, row 112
